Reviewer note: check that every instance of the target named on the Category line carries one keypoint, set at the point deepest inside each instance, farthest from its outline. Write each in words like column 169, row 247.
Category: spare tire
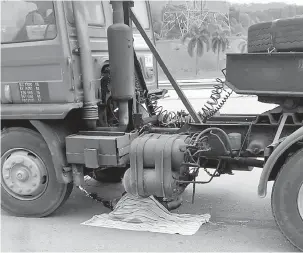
column 281, row 34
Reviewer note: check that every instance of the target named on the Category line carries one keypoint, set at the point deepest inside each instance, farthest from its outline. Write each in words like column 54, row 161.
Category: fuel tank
column 156, row 164
column 121, row 59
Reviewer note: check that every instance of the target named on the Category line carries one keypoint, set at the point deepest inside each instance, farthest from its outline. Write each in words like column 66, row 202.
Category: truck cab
column 41, row 58
column 57, row 80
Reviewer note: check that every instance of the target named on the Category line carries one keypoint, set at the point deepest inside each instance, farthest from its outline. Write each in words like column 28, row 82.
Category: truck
column 67, row 113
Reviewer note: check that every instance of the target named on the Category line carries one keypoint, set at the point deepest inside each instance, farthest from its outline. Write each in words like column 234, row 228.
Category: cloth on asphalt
column 147, row 214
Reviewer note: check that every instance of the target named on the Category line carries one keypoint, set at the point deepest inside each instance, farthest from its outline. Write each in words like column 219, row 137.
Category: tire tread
column 273, row 197
column 64, row 190
column 289, row 36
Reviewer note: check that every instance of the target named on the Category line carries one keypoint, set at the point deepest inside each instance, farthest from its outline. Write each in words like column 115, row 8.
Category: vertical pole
column 90, row 108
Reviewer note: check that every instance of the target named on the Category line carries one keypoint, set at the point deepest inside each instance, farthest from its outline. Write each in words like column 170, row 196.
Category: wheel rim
column 24, row 174
column 300, row 201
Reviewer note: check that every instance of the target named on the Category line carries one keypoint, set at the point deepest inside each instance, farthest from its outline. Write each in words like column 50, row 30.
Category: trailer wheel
column 287, row 199
column 110, row 175
column 29, row 186
column 288, row 36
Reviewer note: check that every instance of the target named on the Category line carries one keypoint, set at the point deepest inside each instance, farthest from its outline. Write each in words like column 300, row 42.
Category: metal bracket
column 78, row 174
column 280, row 128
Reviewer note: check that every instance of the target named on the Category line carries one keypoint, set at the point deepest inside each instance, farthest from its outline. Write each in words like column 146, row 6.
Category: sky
column 298, row 2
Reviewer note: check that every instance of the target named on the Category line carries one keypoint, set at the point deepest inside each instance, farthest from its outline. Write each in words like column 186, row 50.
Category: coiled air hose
column 219, row 96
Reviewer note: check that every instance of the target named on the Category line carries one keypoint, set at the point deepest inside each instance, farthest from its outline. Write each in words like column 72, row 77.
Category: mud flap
column 54, row 136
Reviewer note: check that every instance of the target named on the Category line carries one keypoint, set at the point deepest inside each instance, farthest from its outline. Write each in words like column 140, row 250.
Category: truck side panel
column 38, row 72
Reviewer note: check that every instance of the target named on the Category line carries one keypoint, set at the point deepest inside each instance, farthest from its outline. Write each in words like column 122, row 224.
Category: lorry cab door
column 148, row 62
column 99, row 17
column 35, row 53
column 153, row 39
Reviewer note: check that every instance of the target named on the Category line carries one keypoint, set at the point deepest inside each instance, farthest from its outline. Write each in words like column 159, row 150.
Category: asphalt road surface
column 240, row 221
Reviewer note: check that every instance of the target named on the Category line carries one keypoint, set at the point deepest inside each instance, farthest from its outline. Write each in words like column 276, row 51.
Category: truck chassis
column 163, row 150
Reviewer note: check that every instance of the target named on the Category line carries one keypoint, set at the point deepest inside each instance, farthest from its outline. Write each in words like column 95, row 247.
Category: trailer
column 106, row 122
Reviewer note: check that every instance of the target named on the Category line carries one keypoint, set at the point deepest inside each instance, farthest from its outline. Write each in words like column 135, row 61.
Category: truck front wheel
column 287, row 199
column 29, row 186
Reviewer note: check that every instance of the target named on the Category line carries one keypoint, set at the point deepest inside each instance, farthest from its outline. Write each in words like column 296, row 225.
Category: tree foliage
column 198, row 42
column 219, row 42
column 239, row 18
column 199, row 38
column 243, row 15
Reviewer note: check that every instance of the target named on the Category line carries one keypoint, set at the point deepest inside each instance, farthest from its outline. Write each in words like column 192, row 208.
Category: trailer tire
column 282, row 34
column 287, row 199
column 110, row 175
column 24, row 152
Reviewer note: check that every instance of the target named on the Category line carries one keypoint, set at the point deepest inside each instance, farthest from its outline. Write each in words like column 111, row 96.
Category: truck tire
column 282, row 34
column 287, row 199
column 110, row 175
column 29, row 186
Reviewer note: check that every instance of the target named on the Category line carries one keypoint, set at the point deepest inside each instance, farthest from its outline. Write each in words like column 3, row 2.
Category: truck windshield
column 24, row 21
column 95, row 13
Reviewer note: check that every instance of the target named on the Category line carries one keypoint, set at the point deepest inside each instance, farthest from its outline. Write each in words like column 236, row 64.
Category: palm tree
column 242, row 46
column 199, row 39
column 219, row 42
